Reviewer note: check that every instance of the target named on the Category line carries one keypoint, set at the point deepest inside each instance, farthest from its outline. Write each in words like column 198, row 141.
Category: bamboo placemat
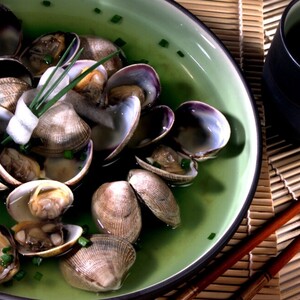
column 247, row 27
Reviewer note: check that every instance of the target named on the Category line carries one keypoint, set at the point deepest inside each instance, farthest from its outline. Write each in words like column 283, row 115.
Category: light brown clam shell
column 11, row 90
column 17, row 202
column 70, row 235
column 184, row 178
column 16, row 168
column 97, row 48
column 155, row 193
column 7, row 271
column 60, row 129
column 102, row 266
column 115, row 210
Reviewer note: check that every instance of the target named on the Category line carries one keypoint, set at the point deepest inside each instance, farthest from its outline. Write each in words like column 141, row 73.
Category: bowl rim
column 184, row 275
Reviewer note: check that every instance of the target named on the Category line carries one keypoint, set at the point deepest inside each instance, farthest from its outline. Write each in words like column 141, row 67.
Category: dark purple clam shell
column 200, row 129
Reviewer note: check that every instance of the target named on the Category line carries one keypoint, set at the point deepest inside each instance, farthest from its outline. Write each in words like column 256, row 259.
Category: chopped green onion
column 46, row 3
column 48, row 59
column 120, row 42
column 164, row 43
column 185, row 163
column 180, row 53
column 38, row 276
column 211, row 236
column 68, row 154
column 156, row 165
column 20, row 275
column 25, row 148
column 37, row 260
column 83, row 156
column 6, row 249
column 6, row 259
column 97, row 10
column 84, row 242
column 116, row 19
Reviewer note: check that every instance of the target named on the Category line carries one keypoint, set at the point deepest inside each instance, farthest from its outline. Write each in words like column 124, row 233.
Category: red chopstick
column 228, row 259
column 273, row 266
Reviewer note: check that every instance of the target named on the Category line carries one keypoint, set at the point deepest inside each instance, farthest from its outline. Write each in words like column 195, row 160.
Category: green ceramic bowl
column 194, row 66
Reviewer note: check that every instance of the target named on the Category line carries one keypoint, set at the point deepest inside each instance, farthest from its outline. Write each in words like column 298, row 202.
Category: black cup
column 281, row 75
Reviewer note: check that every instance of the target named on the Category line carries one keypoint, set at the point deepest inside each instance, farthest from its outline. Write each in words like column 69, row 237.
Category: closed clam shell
column 60, row 129
column 102, row 266
column 156, row 194
column 115, row 210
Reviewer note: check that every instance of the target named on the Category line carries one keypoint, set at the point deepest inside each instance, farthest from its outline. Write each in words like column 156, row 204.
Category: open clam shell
column 11, row 67
column 70, row 171
column 46, row 50
column 172, row 169
column 39, row 199
column 154, row 124
column 140, row 75
column 103, row 266
column 10, row 32
column 200, row 129
column 8, row 268
column 69, row 235
column 112, row 140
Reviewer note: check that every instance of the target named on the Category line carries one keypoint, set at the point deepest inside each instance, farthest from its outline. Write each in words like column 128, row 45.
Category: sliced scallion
column 84, row 242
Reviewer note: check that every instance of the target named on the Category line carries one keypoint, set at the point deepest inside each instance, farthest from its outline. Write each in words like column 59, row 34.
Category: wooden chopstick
column 229, row 258
column 260, row 279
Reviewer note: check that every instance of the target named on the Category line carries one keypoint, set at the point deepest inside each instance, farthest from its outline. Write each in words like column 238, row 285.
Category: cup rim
column 282, row 25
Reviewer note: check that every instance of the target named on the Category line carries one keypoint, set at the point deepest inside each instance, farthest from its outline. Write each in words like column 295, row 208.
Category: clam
column 96, row 48
column 112, row 140
column 71, row 170
column 68, row 132
column 37, row 207
column 200, row 130
column 15, row 79
column 45, row 239
column 9, row 260
column 46, row 50
column 92, row 85
column 154, row 125
column 156, row 194
column 10, row 32
column 103, row 266
column 171, row 165
column 16, row 168
column 116, row 211
column 140, row 80
column 39, row 200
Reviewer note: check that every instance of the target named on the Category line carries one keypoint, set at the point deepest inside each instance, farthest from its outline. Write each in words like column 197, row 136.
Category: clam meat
column 171, row 165
column 101, row 267
column 39, row 200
